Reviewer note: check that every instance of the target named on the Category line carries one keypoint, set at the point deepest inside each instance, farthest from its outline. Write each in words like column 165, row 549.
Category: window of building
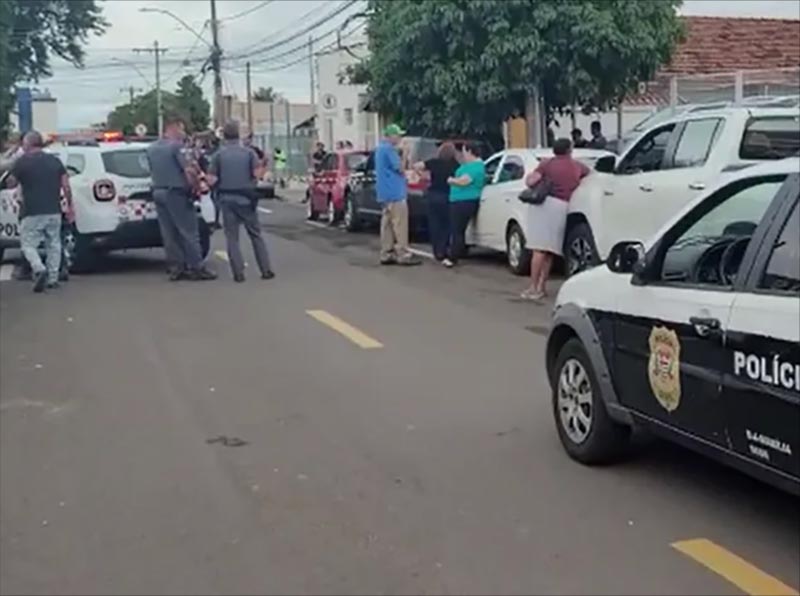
column 348, row 116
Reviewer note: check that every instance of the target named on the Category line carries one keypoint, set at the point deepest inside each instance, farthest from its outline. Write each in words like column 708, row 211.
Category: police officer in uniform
column 174, row 181
column 235, row 169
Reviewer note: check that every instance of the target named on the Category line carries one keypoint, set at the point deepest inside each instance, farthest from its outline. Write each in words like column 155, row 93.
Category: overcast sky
column 86, row 96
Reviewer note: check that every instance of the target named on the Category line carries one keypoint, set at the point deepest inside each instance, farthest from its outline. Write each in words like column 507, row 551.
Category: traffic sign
column 140, row 129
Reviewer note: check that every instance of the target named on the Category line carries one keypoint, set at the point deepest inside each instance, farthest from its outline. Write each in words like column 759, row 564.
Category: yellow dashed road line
column 745, row 576
column 356, row 336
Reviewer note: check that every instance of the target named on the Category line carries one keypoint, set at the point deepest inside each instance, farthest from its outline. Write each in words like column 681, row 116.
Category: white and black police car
column 694, row 336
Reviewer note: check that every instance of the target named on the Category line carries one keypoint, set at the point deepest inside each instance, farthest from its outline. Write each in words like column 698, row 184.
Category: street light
column 177, row 18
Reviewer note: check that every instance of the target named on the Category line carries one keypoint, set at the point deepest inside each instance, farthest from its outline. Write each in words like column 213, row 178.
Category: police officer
column 235, row 169
column 174, row 180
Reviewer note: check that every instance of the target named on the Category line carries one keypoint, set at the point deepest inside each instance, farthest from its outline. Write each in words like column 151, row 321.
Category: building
column 341, row 113
column 43, row 111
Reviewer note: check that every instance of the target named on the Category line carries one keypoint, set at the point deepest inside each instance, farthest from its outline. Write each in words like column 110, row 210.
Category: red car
column 331, row 184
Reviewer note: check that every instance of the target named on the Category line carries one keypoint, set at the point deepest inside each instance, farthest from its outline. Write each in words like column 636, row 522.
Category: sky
column 86, row 96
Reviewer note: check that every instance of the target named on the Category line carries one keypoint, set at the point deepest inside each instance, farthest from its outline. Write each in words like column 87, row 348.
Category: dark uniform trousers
column 179, row 230
column 238, row 211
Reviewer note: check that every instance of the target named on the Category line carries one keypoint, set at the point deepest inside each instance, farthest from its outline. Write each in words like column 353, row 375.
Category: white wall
column 45, row 117
column 339, row 116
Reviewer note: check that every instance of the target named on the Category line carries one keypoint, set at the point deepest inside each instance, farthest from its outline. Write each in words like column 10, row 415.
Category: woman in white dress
column 548, row 220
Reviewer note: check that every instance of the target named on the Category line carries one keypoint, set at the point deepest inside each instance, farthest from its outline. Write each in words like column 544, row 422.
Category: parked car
column 330, row 184
column 113, row 202
column 502, row 218
column 631, row 196
column 363, row 208
column 694, row 336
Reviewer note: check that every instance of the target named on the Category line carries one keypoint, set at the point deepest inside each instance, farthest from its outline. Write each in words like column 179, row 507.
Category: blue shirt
column 390, row 184
column 472, row 192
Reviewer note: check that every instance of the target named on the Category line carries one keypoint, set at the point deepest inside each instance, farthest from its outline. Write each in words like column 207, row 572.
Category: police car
column 113, row 202
column 694, row 336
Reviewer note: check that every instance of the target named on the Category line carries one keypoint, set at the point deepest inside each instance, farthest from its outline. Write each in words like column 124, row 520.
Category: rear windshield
column 775, row 137
column 128, row 163
column 354, row 160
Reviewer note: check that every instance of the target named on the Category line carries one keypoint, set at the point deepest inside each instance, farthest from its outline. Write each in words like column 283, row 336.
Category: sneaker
column 448, row 263
column 39, row 281
column 409, row 261
column 201, row 275
column 389, row 261
column 178, row 274
column 531, row 294
column 268, row 275
column 239, row 278
column 52, row 285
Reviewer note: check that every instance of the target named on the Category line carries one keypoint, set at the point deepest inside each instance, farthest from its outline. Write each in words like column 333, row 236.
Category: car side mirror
column 606, row 164
column 627, row 257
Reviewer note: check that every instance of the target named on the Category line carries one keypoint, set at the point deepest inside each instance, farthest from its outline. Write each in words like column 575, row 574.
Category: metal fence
column 724, row 87
column 296, row 147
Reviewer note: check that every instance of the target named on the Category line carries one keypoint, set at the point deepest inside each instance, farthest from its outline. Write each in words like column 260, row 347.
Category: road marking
column 265, row 210
column 421, row 253
column 5, row 272
column 748, row 578
column 318, row 224
column 356, row 336
column 221, row 254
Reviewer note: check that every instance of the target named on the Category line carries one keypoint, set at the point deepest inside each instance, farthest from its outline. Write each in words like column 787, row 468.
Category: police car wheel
column 352, row 219
column 586, row 431
column 519, row 257
column 82, row 258
column 313, row 214
column 580, row 252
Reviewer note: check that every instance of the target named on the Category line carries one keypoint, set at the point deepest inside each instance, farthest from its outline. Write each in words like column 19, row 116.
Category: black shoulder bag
column 536, row 194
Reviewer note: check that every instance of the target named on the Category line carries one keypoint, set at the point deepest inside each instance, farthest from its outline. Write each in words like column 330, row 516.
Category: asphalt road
column 217, row 438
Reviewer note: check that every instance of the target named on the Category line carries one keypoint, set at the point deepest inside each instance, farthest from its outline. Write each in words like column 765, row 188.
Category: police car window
column 75, row 164
column 127, row 163
column 356, row 161
column 491, row 168
column 771, row 138
column 711, row 250
column 513, row 169
column 697, row 139
column 648, row 154
column 783, row 268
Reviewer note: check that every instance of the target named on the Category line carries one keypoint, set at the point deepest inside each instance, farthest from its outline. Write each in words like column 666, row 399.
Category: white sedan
column 502, row 218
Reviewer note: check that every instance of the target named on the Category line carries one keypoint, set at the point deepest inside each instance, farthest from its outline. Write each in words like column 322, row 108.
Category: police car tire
column 522, row 266
column 352, row 218
column 607, row 440
column 84, row 257
column 580, row 232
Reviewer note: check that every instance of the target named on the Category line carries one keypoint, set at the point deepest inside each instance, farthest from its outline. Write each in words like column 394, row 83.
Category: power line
column 248, row 11
column 280, row 31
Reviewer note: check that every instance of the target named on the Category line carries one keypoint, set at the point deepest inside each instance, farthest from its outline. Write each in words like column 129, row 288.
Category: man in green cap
column 391, row 188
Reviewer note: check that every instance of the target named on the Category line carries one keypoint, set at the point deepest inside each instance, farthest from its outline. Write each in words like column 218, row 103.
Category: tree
column 187, row 102
column 31, row 32
column 267, row 94
column 192, row 105
column 455, row 67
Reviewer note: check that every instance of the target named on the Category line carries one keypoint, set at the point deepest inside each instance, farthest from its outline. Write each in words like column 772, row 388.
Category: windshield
column 654, row 119
column 127, row 163
column 354, row 160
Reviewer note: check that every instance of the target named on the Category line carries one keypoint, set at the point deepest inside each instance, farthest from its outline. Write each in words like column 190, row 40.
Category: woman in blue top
column 465, row 195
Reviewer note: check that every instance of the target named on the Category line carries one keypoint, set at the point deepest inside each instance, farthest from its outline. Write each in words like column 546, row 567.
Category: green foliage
column 266, row 94
column 458, row 67
column 187, row 101
column 31, row 31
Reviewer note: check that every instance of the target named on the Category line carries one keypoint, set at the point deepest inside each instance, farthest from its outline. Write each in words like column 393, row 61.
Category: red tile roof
column 720, row 44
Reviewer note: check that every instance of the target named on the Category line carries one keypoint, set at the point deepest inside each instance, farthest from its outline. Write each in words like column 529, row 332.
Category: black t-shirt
column 441, row 170
column 39, row 174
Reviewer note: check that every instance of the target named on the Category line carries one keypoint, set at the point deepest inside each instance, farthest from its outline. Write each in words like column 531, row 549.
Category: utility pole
column 311, row 80
column 249, row 103
column 272, row 124
column 288, row 139
column 215, row 65
column 157, row 52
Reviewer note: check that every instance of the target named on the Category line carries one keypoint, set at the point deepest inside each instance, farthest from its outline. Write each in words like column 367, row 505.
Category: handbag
column 536, row 194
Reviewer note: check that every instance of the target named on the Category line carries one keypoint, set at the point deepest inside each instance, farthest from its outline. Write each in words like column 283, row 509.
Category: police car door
column 761, row 388
column 670, row 325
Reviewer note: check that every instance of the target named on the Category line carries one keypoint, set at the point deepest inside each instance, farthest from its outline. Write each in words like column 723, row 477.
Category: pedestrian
column 318, row 157
column 175, row 182
column 598, row 140
column 392, row 190
column 466, row 186
column 439, row 168
column 348, row 146
column 577, row 139
column 279, row 160
column 234, row 170
column 43, row 179
column 548, row 220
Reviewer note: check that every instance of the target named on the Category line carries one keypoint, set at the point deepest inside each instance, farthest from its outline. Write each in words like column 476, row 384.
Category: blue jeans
column 35, row 229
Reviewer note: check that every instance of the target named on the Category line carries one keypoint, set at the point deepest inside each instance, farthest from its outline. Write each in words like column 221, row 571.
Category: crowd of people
column 457, row 177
